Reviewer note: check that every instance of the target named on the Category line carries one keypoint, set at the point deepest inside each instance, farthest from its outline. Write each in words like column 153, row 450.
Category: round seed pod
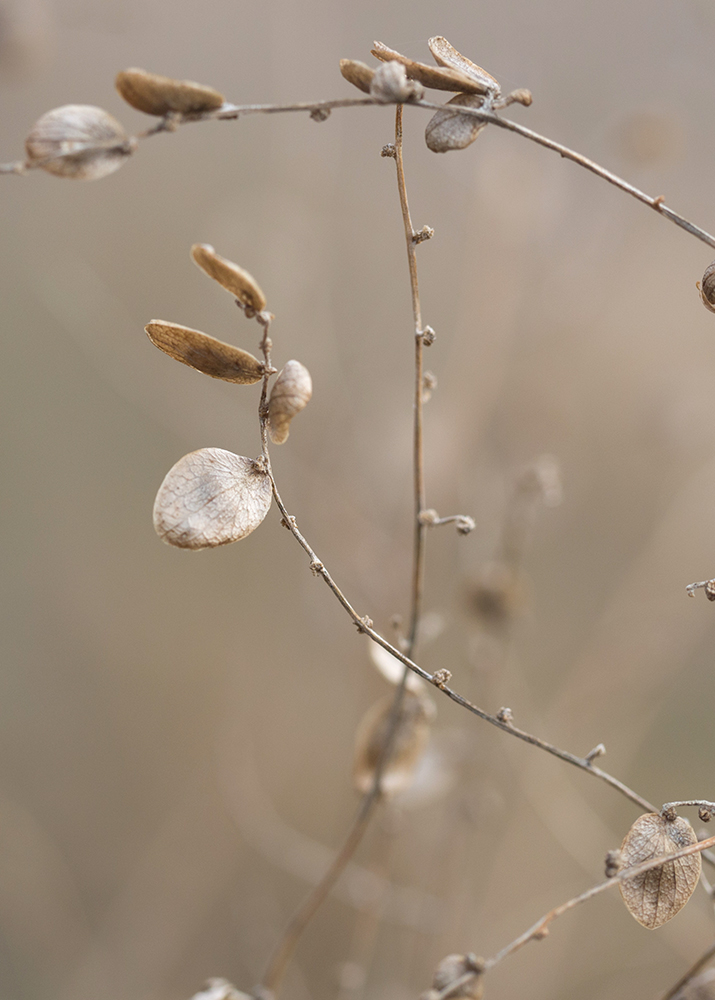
column 452, row 968
column 409, row 742
column 78, row 141
column 230, row 276
column 204, row 353
column 656, row 896
column 211, row 497
column 707, row 288
column 447, row 129
column 291, row 392
column 160, row 95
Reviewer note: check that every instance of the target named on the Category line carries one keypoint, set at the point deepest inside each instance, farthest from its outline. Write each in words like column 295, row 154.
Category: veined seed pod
column 211, row 497
column 409, row 742
column 78, row 141
column 160, row 95
column 448, row 129
column 657, row 895
column 707, row 288
column 204, row 353
column 230, row 276
column 291, row 392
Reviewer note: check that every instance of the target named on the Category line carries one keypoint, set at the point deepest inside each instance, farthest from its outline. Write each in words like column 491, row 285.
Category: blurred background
column 176, row 729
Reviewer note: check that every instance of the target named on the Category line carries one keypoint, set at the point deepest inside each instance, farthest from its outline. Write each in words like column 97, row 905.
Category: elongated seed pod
column 78, row 141
column 291, row 392
column 707, row 288
column 204, row 353
column 447, row 129
column 211, row 497
column 160, row 95
column 409, row 742
column 357, row 73
column 230, row 276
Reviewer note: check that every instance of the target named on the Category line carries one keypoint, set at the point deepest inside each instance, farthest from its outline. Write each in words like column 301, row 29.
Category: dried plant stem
column 694, row 969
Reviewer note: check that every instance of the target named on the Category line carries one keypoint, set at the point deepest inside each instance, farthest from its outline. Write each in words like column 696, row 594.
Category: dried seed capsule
column 230, row 276
column 436, row 77
column 656, row 896
column 78, row 141
column 707, row 288
column 204, row 353
column 409, row 742
column 211, row 497
column 160, row 95
column 445, row 54
column 391, row 86
column 448, row 130
column 291, row 392
column 357, row 73
column 452, row 968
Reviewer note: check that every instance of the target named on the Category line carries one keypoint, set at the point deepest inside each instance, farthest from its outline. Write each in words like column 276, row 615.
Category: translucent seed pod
column 211, row 497
column 707, row 288
column 290, row 394
column 656, row 896
column 357, row 73
column 409, row 742
column 230, row 276
column 160, row 95
column 204, row 353
column 447, row 129
column 78, row 141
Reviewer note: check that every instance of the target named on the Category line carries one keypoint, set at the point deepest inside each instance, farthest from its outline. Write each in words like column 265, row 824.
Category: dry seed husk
column 357, row 73
column 435, row 77
column 445, row 54
column 78, row 141
column 447, row 130
column 160, row 95
column 707, row 288
column 391, row 86
column 290, row 394
column 409, row 742
column 230, row 276
column 656, row 896
column 211, row 497
column 452, row 968
column 204, row 353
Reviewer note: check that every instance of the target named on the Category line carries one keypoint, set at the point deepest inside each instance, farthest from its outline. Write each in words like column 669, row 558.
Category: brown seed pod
column 230, row 276
column 409, row 742
column 435, row 77
column 707, row 288
column 211, row 497
column 204, row 353
column 447, row 130
column 656, row 896
column 357, row 73
column 445, row 54
column 452, row 968
column 290, row 394
column 78, row 141
column 160, row 95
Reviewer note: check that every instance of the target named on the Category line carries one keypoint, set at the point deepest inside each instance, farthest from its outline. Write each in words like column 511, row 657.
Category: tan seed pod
column 211, row 497
column 452, row 968
column 160, row 95
column 357, row 73
column 204, row 353
column 445, row 54
column 230, row 276
column 656, row 896
column 409, row 742
column 707, row 288
column 447, row 130
column 78, row 141
column 434, row 77
column 290, row 394
column 391, row 86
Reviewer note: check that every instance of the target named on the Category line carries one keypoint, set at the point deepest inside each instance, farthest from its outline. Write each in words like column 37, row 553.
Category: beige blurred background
column 176, row 729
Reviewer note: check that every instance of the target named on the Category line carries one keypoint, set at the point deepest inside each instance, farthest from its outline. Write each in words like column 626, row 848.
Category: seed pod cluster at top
column 290, row 394
column 78, row 141
column 161, row 95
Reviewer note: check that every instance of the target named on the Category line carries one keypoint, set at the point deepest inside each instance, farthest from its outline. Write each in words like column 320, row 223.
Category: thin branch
column 691, row 973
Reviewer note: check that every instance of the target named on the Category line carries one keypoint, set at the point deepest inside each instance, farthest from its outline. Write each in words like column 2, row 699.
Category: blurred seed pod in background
column 160, row 95
column 409, row 742
column 78, row 141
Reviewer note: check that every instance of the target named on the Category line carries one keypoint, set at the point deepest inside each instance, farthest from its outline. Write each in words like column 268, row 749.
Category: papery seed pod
column 409, row 742
column 211, row 497
column 657, row 895
column 357, row 73
column 230, row 276
column 452, row 968
column 445, row 54
column 160, row 95
column 392, row 669
column 391, row 86
column 447, row 130
column 204, row 353
column 290, row 394
column 78, row 141
column 435, row 77
column 707, row 288
column 220, row 989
